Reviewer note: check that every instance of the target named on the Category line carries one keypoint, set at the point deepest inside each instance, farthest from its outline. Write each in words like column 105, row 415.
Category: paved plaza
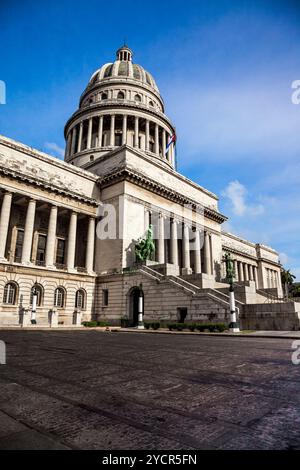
column 113, row 390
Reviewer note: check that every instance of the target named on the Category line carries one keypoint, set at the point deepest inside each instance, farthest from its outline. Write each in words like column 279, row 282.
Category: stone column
column 69, row 143
column 236, row 270
column 146, row 219
column 124, row 131
column 136, row 131
column 147, row 135
column 174, row 243
column 272, row 277
column 255, row 276
column 80, row 137
column 161, row 239
column 207, row 259
column 156, row 140
column 89, row 136
column 74, row 133
column 100, row 131
column 251, row 275
column 4, row 222
column 186, row 265
column 89, row 261
column 241, row 272
column 112, row 131
column 51, row 237
column 197, row 252
column 72, row 241
column 28, row 232
column 246, row 275
column 164, row 145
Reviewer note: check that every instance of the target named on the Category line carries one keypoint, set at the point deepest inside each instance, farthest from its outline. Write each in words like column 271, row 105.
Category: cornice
column 111, row 104
column 54, row 161
column 126, row 174
column 13, row 174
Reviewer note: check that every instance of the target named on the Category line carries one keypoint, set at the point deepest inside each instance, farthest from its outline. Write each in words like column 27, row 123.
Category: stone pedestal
column 25, row 317
column 186, row 271
column 77, row 318
column 202, row 280
column 53, row 318
column 167, row 269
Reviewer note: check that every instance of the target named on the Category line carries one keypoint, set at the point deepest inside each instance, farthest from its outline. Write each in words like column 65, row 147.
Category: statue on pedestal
column 145, row 248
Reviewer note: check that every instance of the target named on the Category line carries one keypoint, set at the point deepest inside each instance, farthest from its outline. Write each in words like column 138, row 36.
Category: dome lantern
column 124, row 54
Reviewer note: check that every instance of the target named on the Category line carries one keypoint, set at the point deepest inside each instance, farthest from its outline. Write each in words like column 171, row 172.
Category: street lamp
column 230, row 275
column 140, row 309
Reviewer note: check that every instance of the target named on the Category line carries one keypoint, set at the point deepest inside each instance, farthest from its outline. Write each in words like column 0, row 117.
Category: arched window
column 39, row 292
column 104, row 96
column 138, row 98
column 59, row 297
column 10, row 293
column 151, row 104
column 91, row 158
column 80, row 299
column 121, row 95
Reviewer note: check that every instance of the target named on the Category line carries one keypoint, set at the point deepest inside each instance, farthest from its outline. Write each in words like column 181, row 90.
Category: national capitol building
column 54, row 214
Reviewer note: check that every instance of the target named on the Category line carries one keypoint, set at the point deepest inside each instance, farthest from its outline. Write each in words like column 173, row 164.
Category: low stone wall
column 281, row 316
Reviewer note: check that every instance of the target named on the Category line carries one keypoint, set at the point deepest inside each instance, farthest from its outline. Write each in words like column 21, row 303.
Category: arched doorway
column 134, row 296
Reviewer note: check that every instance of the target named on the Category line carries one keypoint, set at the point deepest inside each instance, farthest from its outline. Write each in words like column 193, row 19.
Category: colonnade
column 245, row 272
column 50, row 255
column 110, row 130
column 192, row 244
column 272, row 278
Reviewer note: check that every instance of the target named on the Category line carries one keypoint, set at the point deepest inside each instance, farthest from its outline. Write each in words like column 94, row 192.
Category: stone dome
column 123, row 67
column 121, row 105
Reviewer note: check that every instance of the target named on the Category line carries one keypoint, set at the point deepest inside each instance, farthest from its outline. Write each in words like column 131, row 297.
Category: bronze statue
column 145, row 248
column 230, row 274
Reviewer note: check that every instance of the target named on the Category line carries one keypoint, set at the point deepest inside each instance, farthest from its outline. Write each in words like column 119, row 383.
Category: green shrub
column 155, row 325
column 180, row 326
column 222, row 327
column 192, row 326
column 212, row 327
column 90, row 324
column 147, row 325
column 124, row 322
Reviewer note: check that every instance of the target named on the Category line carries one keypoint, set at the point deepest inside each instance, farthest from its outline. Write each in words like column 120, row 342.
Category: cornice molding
column 126, row 174
column 13, row 174
column 110, row 106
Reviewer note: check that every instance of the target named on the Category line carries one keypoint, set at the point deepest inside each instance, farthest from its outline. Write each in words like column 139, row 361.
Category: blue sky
column 224, row 69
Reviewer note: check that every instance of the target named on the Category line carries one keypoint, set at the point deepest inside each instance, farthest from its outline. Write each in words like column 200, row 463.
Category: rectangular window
column 105, row 297
column 41, row 250
column 19, row 245
column 60, row 251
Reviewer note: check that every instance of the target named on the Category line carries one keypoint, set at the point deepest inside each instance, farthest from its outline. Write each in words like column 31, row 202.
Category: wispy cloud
column 237, row 193
column 55, row 149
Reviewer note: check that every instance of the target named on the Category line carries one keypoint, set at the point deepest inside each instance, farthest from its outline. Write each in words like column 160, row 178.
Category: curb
column 160, row 332
column 222, row 335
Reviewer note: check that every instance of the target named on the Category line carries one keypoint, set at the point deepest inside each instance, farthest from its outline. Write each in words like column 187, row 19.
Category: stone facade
column 119, row 173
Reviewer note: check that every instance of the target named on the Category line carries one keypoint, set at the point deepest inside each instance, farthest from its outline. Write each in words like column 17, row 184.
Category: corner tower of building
column 121, row 105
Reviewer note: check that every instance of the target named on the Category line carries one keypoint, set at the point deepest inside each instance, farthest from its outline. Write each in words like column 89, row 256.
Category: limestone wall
column 271, row 316
column 49, row 280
